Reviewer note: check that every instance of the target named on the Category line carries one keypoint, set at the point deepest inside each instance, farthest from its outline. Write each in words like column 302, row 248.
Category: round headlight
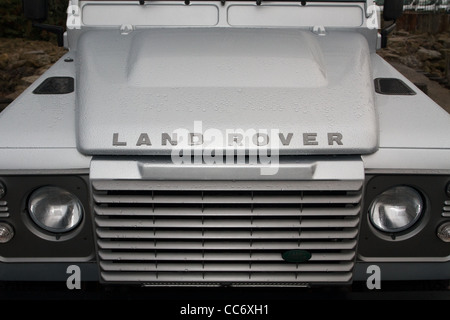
column 6, row 232
column 444, row 232
column 396, row 209
column 55, row 209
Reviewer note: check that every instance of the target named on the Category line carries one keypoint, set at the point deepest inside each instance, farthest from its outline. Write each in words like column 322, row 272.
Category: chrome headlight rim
column 410, row 228
column 48, row 229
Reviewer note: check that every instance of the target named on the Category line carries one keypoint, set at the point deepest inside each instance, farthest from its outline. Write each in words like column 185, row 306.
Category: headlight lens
column 396, row 209
column 55, row 209
column 6, row 232
column 444, row 232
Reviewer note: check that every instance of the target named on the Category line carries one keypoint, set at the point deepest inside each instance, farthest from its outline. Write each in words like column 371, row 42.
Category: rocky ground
column 21, row 63
column 423, row 58
column 425, row 53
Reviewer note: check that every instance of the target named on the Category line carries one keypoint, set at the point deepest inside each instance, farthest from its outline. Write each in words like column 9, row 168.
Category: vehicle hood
column 154, row 91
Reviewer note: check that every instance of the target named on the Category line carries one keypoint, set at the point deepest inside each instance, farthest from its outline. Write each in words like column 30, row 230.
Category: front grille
column 225, row 234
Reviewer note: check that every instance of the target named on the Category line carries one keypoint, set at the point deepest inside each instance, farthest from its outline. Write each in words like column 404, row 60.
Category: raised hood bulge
column 154, row 90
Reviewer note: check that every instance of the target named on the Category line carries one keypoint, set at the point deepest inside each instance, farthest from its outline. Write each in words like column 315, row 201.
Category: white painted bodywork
column 47, row 124
column 159, row 81
column 276, row 66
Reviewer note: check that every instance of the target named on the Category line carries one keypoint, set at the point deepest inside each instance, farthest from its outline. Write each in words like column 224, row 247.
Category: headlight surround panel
column 418, row 240
column 31, row 241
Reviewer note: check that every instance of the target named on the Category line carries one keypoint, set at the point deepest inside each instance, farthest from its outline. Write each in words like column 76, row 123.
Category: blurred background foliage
column 14, row 24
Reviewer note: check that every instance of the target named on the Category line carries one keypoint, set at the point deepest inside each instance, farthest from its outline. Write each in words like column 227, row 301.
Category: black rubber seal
column 392, row 86
column 56, row 85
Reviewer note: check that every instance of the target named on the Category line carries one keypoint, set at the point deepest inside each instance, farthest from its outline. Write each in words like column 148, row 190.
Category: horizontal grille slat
column 224, row 267
column 226, row 212
column 225, row 223
column 212, row 185
column 143, row 199
column 112, row 234
column 226, row 245
column 156, row 232
column 217, row 256
column 225, row 277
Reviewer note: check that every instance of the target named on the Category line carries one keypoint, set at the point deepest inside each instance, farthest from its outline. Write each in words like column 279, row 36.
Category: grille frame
column 191, row 232
column 150, row 248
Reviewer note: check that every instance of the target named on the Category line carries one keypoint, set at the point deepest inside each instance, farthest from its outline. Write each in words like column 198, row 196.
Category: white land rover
column 246, row 143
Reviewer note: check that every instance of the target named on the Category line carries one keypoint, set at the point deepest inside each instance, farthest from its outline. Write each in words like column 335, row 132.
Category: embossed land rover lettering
column 224, row 143
column 258, row 139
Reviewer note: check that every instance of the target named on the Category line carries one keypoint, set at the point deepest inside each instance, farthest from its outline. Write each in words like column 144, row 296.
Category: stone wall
column 421, row 41
column 421, row 22
column 22, row 61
